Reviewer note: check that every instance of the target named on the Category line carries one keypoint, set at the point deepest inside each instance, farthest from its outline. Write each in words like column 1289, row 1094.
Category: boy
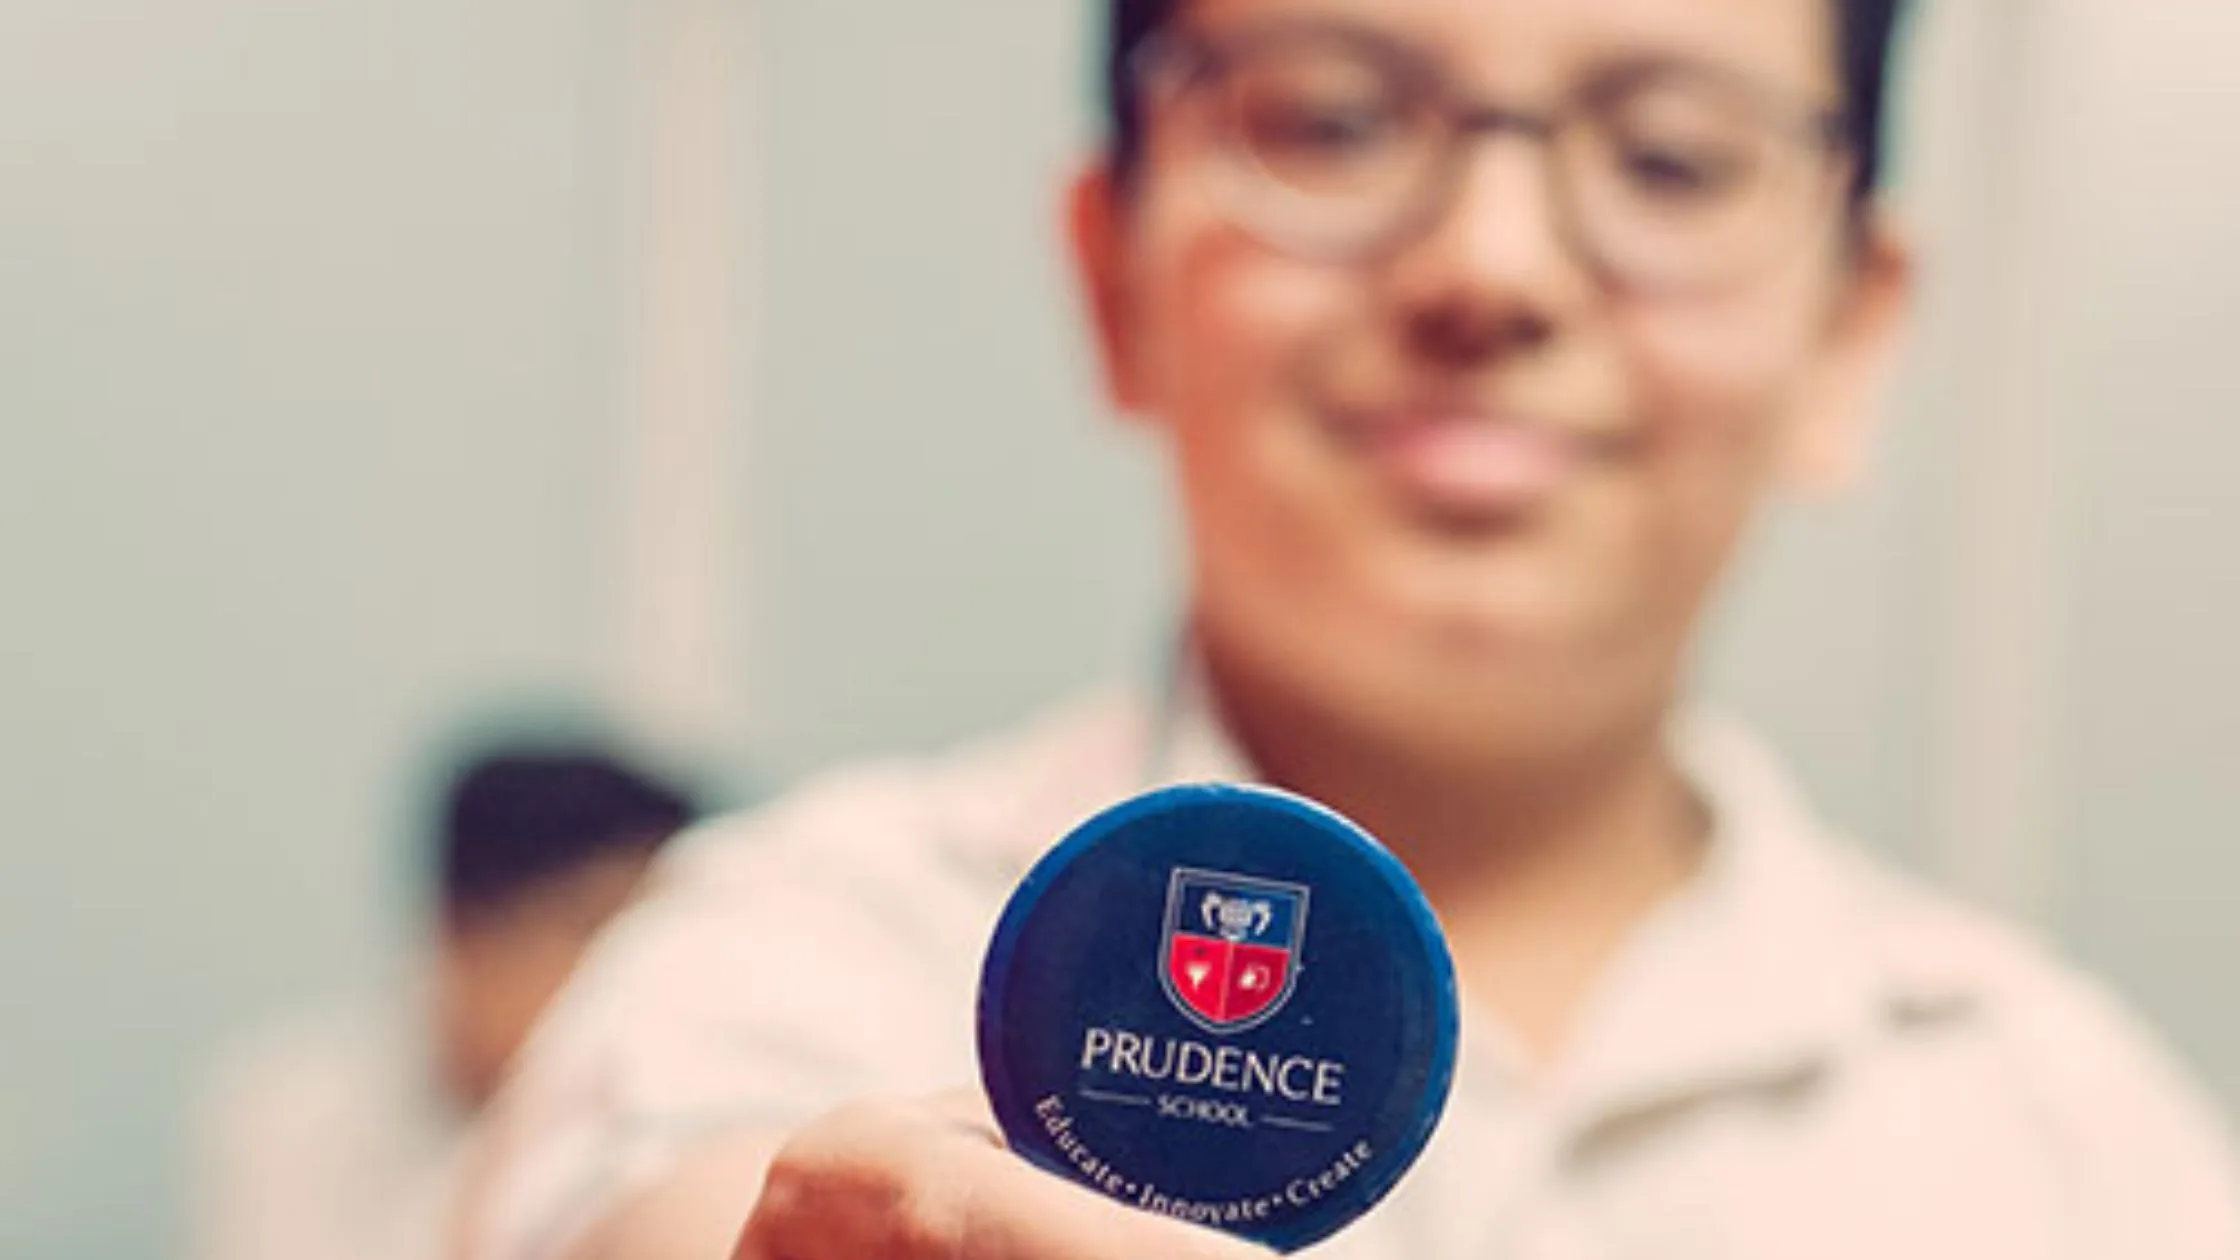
column 339, row 1137
column 1477, row 330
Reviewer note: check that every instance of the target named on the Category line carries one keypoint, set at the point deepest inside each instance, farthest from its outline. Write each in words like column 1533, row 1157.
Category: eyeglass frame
column 1168, row 63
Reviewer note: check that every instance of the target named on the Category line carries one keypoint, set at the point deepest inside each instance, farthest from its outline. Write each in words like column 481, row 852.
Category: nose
column 1490, row 273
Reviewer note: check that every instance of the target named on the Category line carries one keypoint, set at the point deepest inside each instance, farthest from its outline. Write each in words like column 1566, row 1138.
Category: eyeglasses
column 1333, row 142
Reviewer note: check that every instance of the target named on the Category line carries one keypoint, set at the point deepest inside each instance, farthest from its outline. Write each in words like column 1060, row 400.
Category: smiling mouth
column 1468, row 465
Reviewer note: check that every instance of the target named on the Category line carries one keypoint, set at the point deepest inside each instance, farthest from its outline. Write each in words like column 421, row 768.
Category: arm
column 783, row 964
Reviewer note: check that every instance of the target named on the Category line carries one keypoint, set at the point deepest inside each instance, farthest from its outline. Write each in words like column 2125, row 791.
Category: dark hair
column 514, row 818
column 1867, row 29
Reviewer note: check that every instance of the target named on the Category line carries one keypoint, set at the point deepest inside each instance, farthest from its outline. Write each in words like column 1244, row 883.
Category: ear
column 1827, row 448
column 1096, row 227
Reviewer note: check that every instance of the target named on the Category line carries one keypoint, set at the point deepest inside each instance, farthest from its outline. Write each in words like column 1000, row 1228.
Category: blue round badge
column 1227, row 1005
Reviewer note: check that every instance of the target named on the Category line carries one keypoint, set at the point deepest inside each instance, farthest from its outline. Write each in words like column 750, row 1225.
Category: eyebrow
column 1651, row 67
column 1606, row 72
column 1634, row 49
column 1814, row 114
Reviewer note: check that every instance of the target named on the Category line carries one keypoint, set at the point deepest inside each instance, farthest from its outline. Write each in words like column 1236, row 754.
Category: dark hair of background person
column 1867, row 30
column 513, row 819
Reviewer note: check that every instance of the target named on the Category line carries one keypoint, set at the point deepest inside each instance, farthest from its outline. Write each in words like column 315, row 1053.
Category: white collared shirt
column 328, row 1137
column 1801, row 1055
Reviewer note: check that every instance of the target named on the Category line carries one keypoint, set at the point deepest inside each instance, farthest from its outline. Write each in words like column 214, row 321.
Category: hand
column 932, row 1181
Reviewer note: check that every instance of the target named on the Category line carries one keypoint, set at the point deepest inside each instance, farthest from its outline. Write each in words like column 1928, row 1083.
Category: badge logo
column 1247, row 1101
column 1229, row 957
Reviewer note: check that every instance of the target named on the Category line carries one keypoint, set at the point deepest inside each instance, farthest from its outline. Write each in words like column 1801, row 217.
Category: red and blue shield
column 1230, row 955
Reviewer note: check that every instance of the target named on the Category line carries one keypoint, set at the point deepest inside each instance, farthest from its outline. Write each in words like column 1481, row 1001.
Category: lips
column 1467, row 464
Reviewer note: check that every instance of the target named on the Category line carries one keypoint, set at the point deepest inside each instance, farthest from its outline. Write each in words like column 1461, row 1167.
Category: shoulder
column 2065, row 1027
column 2141, row 1145
column 1936, row 966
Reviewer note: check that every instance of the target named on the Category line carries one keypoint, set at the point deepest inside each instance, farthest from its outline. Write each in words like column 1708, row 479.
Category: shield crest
column 1229, row 957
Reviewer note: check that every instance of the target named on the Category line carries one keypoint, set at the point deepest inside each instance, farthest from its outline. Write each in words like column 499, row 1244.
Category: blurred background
column 366, row 367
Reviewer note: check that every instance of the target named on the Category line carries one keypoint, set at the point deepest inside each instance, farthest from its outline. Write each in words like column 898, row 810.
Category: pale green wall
column 303, row 377
column 954, row 530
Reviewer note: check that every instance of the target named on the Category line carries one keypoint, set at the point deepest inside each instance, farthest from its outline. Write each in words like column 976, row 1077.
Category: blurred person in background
column 1477, row 331
column 339, row 1137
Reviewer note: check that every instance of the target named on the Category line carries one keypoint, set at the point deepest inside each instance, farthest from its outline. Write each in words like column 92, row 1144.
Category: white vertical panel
column 2141, row 392
column 1983, row 108
column 678, row 595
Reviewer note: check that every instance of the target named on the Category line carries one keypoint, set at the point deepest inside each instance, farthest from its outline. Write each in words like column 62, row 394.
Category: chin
column 1493, row 612
column 1482, row 713
column 1506, row 661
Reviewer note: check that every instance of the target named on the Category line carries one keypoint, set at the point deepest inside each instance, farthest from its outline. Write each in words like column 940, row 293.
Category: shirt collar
column 1760, row 972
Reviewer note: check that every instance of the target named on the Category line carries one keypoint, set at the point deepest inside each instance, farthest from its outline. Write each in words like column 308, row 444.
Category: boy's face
column 1469, row 475
column 498, row 969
